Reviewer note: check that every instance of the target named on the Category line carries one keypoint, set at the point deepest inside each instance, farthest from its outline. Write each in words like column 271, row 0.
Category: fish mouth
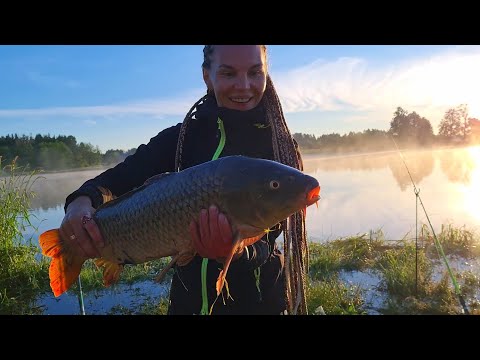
column 313, row 196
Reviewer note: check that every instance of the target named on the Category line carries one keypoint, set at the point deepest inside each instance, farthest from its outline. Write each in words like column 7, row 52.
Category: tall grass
column 22, row 276
column 349, row 254
column 402, row 275
column 333, row 297
column 454, row 241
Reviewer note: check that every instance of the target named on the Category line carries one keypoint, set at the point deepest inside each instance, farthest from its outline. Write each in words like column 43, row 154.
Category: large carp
column 152, row 221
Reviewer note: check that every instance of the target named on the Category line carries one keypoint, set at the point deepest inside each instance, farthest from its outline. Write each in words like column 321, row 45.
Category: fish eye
column 274, row 184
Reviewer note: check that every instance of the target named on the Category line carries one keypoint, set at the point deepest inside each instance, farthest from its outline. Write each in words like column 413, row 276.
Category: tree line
column 408, row 130
column 55, row 152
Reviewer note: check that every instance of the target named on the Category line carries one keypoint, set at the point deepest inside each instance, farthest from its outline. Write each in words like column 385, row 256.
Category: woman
column 240, row 115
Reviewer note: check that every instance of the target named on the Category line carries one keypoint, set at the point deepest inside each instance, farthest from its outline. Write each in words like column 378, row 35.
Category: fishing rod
column 80, row 297
column 437, row 243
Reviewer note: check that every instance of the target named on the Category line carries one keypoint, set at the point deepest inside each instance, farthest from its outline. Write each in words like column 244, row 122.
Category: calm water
column 359, row 193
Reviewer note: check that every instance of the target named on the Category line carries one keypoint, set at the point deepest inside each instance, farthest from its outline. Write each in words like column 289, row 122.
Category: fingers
column 213, row 224
column 197, row 243
column 225, row 229
column 204, row 228
column 92, row 229
column 80, row 232
column 212, row 236
column 74, row 234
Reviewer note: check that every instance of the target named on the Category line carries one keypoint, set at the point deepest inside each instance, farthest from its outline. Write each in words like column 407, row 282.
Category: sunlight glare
column 471, row 193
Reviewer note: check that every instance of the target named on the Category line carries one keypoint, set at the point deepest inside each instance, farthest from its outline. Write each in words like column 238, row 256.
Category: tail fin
column 64, row 268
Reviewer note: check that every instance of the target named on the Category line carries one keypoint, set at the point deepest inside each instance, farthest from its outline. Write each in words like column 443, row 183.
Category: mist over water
column 52, row 189
column 367, row 192
column 359, row 193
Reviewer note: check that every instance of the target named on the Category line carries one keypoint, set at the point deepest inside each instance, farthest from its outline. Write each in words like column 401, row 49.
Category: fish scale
column 153, row 220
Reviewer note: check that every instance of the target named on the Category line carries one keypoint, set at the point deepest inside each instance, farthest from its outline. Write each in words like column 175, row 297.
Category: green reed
column 22, row 275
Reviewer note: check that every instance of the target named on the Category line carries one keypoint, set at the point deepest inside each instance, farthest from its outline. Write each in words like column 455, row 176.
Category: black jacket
column 247, row 133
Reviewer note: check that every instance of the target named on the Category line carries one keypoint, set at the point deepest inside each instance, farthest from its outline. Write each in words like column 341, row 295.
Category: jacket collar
column 234, row 119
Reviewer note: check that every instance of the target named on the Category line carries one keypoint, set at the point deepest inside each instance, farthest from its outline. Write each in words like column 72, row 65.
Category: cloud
column 150, row 107
column 90, row 122
column 430, row 84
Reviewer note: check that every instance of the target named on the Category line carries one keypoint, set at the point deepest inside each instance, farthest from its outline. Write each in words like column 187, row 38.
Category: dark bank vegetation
column 411, row 130
column 51, row 153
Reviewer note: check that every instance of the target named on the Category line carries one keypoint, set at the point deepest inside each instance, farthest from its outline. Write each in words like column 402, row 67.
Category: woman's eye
column 256, row 73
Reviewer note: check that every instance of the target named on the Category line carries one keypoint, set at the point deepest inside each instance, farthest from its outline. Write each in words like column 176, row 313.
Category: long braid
column 207, row 53
column 183, row 131
column 285, row 152
column 295, row 240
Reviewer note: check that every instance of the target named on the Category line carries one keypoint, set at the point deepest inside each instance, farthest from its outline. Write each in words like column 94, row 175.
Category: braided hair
column 285, row 152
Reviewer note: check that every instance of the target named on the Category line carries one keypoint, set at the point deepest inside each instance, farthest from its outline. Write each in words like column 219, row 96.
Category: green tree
column 87, row 155
column 411, row 127
column 113, row 157
column 54, row 155
column 454, row 125
column 399, row 125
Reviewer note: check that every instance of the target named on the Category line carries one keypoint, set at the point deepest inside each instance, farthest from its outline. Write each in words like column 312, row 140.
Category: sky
column 120, row 96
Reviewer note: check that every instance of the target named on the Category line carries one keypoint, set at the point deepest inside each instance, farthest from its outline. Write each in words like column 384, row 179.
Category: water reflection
column 458, row 165
column 419, row 164
column 359, row 192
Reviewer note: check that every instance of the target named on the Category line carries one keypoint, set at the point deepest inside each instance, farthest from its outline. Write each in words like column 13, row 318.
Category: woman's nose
column 242, row 82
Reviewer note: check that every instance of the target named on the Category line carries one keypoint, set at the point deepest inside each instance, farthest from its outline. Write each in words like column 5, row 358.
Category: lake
column 359, row 193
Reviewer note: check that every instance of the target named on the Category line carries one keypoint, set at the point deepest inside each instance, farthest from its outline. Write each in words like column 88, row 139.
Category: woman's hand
column 79, row 229
column 212, row 235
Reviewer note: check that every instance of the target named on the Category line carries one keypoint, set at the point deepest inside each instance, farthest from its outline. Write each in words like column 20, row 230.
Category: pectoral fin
column 111, row 271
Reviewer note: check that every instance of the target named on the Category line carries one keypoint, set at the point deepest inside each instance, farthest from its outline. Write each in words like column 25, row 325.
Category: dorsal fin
column 157, row 177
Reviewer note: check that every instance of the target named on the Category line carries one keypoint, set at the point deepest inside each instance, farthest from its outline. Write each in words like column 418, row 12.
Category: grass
column 22, row 275
column 92, row 277
column 454, row 240
column 406, row 274
column 352, row 253
column 148, row 307
column 333, row 297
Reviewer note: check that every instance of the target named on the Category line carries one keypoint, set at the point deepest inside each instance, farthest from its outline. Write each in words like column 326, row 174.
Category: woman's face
column 237, row 75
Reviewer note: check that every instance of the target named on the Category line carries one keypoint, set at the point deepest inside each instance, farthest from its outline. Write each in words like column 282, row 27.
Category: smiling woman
column 240, row 114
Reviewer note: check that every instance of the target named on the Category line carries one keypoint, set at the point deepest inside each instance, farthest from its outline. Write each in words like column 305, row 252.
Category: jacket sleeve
column 257, row 254
column 156, row 157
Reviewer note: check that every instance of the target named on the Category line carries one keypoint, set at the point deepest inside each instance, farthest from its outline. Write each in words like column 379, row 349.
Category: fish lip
column 312, row 200
column 312, row 195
